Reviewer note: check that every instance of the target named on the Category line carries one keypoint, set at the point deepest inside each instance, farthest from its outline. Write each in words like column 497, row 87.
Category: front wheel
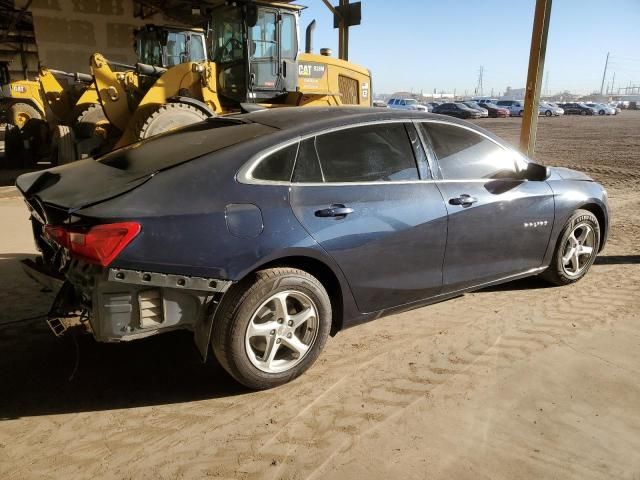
column 583, row 112
column 576, row 249
column 548, row 113
column 271, row 327
column 169, row 116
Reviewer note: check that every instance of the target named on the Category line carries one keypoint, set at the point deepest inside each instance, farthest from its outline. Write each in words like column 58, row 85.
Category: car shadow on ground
column 617, row 259
column 41, row 374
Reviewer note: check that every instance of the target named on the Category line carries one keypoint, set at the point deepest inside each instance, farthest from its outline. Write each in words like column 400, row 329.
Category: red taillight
column 99, row 244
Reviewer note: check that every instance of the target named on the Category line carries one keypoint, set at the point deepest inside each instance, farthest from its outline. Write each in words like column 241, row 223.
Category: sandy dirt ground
column 518, row 381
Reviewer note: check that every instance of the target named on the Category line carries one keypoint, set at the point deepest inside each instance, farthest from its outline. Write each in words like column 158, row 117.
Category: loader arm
column 113, row 91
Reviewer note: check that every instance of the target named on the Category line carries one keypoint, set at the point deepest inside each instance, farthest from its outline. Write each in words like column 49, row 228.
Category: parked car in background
column 616, row 107
column 549, row 109
column 485, row 100
column 406, row 104
column 496, row 111
column 458, row 110
column 380, row 104
column 475, row 106
column 434, row 104
column 516, row 107
column 573, row 108
column 602, row 109
column 140, row 254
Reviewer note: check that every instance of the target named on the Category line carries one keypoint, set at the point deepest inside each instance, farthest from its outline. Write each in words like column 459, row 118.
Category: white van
column 516, row 107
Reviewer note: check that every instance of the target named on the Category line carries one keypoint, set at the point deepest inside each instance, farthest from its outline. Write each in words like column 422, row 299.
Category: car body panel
column 479, row 249
column 405, row 237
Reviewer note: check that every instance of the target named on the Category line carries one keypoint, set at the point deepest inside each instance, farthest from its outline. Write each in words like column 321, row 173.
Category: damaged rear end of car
column 80, row 238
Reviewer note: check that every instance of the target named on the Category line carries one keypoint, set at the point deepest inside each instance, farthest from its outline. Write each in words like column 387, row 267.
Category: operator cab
column 255, row 48
column 167, row 46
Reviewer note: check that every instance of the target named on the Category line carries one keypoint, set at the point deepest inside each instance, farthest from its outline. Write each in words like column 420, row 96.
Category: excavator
column 253, row 62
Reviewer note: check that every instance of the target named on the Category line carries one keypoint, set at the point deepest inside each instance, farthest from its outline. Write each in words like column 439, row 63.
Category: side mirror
column 536, row 172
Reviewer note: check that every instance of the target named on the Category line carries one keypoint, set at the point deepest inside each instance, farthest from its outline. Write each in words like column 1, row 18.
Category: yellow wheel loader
column 42, row 114
column 254, row 62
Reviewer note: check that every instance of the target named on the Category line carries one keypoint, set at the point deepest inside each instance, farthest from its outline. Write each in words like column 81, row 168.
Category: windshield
column 148, row 48
column 228, row 35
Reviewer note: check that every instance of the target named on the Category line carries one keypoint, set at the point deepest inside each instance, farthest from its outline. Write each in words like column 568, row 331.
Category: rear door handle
column 335, row 210
column 465, row 200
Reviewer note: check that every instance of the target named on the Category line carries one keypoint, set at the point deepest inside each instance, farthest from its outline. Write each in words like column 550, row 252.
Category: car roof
column 310, row 119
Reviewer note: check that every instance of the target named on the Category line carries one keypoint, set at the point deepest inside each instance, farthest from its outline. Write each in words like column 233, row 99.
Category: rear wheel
column 63, row 145
column 583, row 112
column 271, row 327
column 548, row 113
column 576, row 249
column 20, row 113
column 13, row 147
column 169, row 117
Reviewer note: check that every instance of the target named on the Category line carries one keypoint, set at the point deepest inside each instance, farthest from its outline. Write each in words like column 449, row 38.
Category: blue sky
column 426, row 44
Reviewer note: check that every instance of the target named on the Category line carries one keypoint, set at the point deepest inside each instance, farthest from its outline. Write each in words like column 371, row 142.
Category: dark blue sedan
column 264, row 233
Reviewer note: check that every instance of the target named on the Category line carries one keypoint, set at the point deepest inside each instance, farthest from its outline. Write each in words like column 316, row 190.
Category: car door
column 264, row 60
column 499, row 224
column 359, row 194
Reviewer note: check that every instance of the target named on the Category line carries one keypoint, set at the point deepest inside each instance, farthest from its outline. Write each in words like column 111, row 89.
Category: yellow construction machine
column 253, row 62
column 42, row 112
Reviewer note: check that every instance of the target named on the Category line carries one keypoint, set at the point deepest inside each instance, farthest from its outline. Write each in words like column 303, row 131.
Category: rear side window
column 277, row 166
column 308, row 169
column 463, row 154
column 371, row 153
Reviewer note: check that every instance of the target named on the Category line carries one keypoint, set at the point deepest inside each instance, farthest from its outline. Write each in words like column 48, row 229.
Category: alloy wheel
column 281, row 331
column 578, row 250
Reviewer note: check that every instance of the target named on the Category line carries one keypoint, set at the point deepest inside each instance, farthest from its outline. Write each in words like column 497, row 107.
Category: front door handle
column 465, row 200
column 335, row 210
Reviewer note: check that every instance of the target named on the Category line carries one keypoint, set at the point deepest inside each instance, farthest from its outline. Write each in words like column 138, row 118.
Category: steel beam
column 534, row 77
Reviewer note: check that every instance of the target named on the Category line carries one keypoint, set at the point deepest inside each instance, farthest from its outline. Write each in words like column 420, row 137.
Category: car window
column 371, row 153
column 277, row 166
column 463, row 154
column 308, row 168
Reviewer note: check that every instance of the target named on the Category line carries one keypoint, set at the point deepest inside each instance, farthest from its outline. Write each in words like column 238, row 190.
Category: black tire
column 86, row 122
column 548, row 113
column 36, row 140
column 20, row 113
column 169, row 117
column 601, row 112
column 556, row 273
column 238, row 307
column 13, row 147
column 64, row 146
column 583, row 112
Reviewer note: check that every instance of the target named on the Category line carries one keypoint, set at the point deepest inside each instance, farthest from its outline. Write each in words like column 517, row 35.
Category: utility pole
column 613, row 82
column 604, row 74
column 534, row 76
column 479, row 87
column 546, row 84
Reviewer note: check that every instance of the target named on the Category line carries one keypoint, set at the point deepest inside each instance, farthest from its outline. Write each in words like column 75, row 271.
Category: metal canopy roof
column 180, row 10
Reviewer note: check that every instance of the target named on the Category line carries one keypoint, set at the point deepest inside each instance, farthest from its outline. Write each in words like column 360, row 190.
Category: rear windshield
column 179, row 146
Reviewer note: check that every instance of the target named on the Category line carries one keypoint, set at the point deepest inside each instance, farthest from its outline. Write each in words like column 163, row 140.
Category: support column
column 534, row 76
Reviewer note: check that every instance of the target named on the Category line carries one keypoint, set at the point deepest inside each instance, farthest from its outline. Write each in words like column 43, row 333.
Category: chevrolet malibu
column 266, row 233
